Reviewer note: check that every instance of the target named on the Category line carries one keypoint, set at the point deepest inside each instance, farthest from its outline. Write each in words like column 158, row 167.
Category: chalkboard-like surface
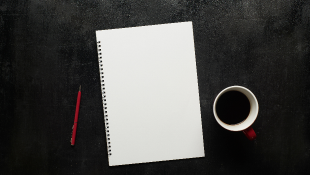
column 48, row 48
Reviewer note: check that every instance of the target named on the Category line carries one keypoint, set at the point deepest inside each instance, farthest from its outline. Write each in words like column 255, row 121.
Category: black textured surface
column 48, row 48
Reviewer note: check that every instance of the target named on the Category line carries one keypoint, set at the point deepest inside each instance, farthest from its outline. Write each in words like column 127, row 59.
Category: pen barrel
column 77, row 107
column 76, row 118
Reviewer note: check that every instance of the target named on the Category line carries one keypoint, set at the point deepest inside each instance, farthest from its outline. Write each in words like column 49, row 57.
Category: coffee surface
column 233, row 107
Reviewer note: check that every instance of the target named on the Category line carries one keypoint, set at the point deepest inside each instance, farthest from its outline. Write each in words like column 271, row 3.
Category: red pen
column 76, row 117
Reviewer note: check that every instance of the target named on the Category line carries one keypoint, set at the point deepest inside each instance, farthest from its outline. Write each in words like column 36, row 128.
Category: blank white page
column 150, row 83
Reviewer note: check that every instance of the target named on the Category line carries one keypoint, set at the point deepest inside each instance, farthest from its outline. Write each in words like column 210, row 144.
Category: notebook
column 150, row 93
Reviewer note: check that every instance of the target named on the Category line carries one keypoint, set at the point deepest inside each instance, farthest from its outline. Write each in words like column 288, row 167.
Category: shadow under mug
column 245, row 125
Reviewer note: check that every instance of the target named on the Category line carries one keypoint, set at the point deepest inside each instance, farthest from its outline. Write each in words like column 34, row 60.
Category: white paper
column 151, row 93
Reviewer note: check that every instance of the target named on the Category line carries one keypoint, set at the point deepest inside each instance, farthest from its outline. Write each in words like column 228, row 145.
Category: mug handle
column 249, row 133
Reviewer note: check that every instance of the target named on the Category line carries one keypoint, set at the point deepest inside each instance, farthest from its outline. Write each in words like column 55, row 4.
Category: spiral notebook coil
column 104, row 101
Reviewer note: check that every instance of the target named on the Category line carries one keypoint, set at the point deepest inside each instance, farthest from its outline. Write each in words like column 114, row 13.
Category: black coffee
column 233, row 107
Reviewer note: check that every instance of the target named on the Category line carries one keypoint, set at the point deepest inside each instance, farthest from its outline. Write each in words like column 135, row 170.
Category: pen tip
column 80, row 88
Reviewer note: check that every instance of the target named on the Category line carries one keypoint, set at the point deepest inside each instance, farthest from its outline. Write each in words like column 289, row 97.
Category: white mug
column 245, row 125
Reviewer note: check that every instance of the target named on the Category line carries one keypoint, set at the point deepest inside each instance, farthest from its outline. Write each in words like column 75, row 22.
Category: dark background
column 48, row 48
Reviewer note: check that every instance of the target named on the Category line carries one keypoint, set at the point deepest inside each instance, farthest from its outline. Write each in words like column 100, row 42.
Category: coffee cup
column 235, row 108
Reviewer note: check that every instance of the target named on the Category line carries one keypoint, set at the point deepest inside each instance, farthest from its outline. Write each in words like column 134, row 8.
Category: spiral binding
column 104, row 103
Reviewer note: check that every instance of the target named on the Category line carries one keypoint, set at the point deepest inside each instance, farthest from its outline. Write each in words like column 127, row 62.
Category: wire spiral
column 104, row 103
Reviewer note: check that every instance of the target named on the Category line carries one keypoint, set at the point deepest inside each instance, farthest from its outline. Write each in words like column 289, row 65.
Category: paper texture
column 152, row 95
